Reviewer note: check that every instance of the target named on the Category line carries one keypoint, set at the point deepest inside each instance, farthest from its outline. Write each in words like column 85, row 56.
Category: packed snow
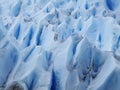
column 59, row 44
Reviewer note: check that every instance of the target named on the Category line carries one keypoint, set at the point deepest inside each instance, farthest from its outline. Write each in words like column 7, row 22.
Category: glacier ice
column 59, row 44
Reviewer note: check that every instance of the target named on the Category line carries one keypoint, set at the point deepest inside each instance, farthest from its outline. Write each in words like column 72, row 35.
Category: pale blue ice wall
column 59, row 44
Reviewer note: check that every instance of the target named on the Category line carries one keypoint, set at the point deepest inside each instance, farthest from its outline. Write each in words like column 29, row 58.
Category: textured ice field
column 59, row 44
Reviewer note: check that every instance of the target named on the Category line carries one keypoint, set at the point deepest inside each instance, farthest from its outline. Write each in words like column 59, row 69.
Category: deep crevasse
column 59, row 44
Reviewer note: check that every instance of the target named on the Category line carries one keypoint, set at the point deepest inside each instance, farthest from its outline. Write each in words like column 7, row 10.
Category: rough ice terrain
column 59, row 44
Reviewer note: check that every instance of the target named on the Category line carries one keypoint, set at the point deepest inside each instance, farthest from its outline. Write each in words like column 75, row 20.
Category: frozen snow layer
column 59, row 45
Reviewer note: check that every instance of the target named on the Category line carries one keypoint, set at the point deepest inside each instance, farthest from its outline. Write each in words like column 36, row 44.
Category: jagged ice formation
column 59, row 44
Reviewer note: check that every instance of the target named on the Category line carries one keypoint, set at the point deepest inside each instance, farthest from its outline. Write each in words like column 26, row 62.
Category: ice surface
column 59, row 44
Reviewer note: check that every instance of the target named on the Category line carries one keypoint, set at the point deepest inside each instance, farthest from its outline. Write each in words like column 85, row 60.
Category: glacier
column 59, row 44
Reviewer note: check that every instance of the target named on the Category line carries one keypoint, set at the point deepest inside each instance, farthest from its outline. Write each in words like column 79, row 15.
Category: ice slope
column 59, row 44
